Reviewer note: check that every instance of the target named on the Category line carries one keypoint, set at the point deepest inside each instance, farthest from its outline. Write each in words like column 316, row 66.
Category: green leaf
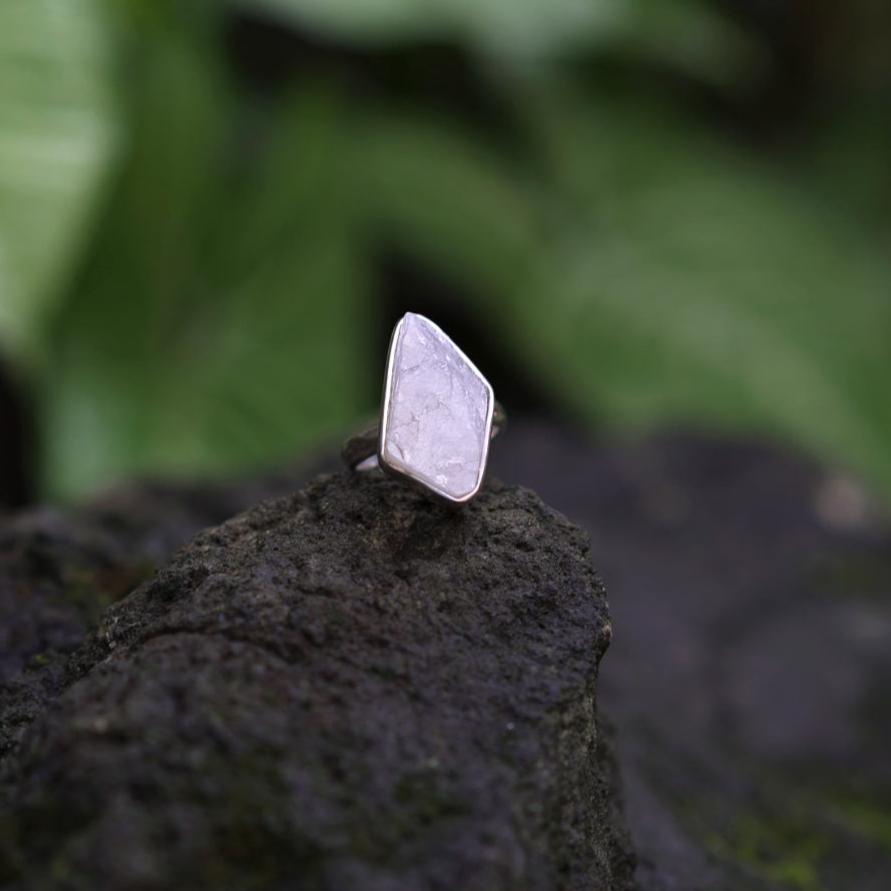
column 648, row 273
column 651, row 275
column 215, row 328
column 57, row 138
column 427, row 186
column 710, row 290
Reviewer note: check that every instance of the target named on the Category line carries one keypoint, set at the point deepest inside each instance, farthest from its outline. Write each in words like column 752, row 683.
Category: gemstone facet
column 437, row 417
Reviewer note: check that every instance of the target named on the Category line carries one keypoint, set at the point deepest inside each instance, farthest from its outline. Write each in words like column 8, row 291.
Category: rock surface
column 59, row 568
column 749, row 678
column 750, row 674
column 345, row 688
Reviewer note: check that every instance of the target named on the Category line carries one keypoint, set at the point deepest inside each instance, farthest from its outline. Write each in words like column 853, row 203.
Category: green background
column 660, row 212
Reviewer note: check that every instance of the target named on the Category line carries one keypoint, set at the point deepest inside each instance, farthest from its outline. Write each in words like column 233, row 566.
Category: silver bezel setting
column 405, row 474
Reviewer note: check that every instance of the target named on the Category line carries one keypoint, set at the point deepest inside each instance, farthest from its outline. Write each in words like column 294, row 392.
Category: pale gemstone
column 438, row 412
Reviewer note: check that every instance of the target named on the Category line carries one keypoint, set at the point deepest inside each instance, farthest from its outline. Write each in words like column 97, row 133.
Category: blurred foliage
column 624, row 228
column 57, row 132
column 687, row 33
column 217, row 323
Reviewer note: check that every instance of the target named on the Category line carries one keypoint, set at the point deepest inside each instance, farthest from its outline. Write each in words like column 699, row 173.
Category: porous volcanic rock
column 347, row 688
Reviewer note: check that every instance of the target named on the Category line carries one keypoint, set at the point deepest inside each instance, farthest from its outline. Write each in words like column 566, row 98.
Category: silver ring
column 438, row 416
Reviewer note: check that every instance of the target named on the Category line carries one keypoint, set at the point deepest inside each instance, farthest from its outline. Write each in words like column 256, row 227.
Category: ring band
column 438, row 416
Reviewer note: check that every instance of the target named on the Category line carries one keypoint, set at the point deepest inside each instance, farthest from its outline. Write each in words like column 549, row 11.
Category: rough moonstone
column 438, row 414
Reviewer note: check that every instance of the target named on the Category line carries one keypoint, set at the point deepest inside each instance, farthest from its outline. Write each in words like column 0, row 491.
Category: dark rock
column 349, row 688
column 61, row 567
column 750, row 675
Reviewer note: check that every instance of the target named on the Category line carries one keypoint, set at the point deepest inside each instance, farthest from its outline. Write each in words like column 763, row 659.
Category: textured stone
column 752, row 706
column 438, row 416
column 60, row 567
column 351, row 687
column 750, row 676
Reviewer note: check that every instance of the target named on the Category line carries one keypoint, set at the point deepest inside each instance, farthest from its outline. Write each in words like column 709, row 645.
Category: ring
column 438, row 415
